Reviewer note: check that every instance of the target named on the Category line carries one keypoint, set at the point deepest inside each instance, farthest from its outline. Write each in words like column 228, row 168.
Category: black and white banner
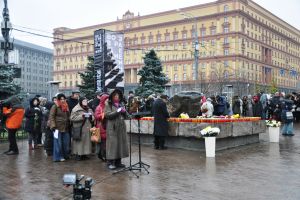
column 109, row 60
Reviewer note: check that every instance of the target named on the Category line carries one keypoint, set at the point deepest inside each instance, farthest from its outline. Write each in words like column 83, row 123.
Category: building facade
column 242, row 46
column 36, row 65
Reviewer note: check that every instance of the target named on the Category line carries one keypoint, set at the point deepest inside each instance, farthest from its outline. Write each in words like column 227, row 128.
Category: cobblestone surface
column 258, row 171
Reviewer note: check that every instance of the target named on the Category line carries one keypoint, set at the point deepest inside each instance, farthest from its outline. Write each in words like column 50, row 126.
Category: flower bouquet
column 273, row 130
column 184, row 116
column 209, row 134
column 273, row 123
column 210, row 131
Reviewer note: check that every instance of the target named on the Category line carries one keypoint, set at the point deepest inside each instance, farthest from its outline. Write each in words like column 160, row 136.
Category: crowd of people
column 279, row 107
column 66, row 125
column 66, row 122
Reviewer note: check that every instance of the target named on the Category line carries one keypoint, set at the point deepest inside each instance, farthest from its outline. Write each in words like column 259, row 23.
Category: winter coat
column 59, row 119
column 94, row 103
column 99, row 117
column 116, row 136
column 84, row 145
column 249, row 111
column 236, row 107
column 71, row 103
column 14, row 112
column 209, row 107
column 257, row 109
column 263, row 100
column 160, row 114
column 34, row 117
column 276, row 107
column 286, row 106
column 220, row 106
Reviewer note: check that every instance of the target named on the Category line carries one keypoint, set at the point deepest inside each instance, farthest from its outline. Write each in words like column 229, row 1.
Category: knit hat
column 61, row 95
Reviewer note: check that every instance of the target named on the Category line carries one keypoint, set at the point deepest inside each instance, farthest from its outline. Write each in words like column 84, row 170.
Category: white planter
column 210, row 146
column 274, row 134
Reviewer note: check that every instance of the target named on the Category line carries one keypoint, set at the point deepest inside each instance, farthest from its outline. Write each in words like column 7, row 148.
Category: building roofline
column 280, row 19
column 293, row 28
column 139, row 17
column 30, row 45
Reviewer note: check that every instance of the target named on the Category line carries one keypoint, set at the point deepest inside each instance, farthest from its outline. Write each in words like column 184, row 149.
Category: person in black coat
column 161, row 115
column 73, row 100
column 48, row 145
column 33, row 122
column 257, row 107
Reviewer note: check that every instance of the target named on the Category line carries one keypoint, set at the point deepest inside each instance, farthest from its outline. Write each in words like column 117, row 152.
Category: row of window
column 71, row 49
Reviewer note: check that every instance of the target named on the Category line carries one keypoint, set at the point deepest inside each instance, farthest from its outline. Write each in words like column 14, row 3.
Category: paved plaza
column 258, row 171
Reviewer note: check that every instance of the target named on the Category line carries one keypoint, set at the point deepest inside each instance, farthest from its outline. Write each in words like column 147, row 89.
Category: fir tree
column 152, row 80
column 88, row 79
column 7, row 86
column 273, row 88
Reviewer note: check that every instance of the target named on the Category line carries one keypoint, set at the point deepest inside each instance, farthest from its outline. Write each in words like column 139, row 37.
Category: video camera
column 80, row 191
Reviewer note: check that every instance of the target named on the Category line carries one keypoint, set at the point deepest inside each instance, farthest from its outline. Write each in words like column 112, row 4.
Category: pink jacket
column 99, row 116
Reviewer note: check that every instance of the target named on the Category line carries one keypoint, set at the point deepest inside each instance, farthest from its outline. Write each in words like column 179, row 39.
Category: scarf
column 64, row 106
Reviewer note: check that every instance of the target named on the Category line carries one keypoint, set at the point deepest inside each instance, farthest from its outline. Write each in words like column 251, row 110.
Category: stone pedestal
column 186, row 135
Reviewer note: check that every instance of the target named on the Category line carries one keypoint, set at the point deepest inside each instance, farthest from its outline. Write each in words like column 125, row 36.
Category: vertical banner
column 114, row 62
column 99, row 59
column 109, row 60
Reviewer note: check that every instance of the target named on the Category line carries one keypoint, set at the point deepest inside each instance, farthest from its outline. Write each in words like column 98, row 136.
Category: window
column 203, row 32
column 150, row 39
column 184, row 67
column 213, row 31
column 158, row 38
column 167, row 38
column 202, row 43
column 226, row 74
column 184, row 35
column 226, row 52
column 175, row 36
column 226, row 63
column 226, row 8
column 175, row 77
column 226, row 29
column 213, row 42
column 175, row 67
column 226, row 40
column 184, row 76
column 225, row 19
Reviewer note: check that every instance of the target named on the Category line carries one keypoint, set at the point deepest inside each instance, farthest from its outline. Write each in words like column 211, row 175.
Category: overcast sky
column 45, row 15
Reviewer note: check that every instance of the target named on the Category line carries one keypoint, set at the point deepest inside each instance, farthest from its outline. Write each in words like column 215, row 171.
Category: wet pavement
column 258, row 171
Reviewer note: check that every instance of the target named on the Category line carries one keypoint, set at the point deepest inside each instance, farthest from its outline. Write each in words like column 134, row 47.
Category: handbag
column 289, row 115
column 95, row 135
column 77, row 131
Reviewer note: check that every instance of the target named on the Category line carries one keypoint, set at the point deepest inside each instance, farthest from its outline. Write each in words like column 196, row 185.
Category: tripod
column 140, row 165
column 130, row 168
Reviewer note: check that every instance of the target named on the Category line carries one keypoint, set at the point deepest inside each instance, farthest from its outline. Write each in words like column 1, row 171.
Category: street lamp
column 196, row 43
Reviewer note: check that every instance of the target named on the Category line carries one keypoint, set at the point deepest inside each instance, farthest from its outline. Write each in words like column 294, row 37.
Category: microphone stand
column 140, row 165
column 130, row 168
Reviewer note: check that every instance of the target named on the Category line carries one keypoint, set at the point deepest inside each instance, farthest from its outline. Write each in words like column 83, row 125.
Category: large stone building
column 243, row 47
column 36, row 65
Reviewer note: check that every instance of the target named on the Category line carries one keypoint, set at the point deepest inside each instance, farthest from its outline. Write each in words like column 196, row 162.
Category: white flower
column 209, row 131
